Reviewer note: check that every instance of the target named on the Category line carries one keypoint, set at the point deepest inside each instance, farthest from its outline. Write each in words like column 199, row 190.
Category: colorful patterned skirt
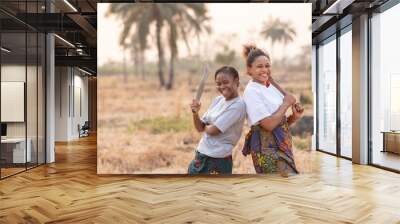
column 203, row 164
column 271, row 151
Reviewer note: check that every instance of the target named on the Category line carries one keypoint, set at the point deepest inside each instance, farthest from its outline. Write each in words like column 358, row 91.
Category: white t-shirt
column 261, row 101
column 228, row 117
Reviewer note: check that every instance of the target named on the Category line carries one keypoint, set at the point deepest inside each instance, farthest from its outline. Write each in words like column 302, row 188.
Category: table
column 15, row 148
column 391, row 141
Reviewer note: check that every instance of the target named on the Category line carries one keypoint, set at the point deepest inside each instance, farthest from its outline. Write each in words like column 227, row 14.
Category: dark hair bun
column 247, row 48
column 251, row 52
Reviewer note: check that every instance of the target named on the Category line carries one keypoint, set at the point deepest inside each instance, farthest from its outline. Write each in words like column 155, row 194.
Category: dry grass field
column 146, row 129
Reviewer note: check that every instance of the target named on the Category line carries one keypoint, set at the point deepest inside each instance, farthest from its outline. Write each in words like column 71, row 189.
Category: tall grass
column 160, row 125
column 145, row 129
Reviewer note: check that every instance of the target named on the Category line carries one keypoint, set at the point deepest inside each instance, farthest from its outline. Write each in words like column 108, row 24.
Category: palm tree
column 138, row 56
column 125, row 70
column 278, row 31
column 180, row 19
column 140, row 16
column 183, row 20
column 135, row 56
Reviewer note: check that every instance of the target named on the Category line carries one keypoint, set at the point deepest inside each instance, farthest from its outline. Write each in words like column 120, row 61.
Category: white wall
column 33, row 126
column 13, row 93
column 70, row 84
column 13, row 73
column 80, row 96
column 16, row 73
column 62, row 80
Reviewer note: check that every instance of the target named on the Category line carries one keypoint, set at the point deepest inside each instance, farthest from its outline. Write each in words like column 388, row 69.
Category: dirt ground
column 143, row 129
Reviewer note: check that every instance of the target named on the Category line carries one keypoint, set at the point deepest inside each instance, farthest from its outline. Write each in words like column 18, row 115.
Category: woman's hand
column 195, row 106
column 297, row 110
column 198, row 123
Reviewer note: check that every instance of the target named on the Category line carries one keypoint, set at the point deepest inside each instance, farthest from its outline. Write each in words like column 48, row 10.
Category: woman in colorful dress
column 222, row 126
column 268, row 141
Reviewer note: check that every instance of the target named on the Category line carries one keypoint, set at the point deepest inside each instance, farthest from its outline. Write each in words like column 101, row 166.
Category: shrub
column 305, row 99
column 302, row 143
column 158, row 125
column 303, row 127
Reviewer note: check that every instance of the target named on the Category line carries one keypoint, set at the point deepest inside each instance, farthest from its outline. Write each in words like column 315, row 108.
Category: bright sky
column 233, row 23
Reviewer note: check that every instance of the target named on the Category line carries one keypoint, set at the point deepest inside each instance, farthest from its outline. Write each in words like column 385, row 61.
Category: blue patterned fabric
column 203, row 164
column 271, row 151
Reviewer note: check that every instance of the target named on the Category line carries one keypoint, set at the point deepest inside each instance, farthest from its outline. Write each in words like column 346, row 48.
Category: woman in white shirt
column 269, row 140
column 222, row 126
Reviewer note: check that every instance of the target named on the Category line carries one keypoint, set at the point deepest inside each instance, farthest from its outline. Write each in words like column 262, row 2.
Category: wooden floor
column 5, row 172
column 69, row 191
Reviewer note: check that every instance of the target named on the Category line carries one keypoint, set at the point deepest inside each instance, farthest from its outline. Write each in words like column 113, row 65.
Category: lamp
column 70, row 5
column 337, row 7
column 84, row 71
column 64, row 40
column 5, row 50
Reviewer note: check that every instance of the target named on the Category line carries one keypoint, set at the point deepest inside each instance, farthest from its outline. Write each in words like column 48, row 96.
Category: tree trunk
column 171, row 72
column 271, row 52
column 135, row 56
column 125, row 72
column 142, row 65
column 160, row 54
column 284, row 61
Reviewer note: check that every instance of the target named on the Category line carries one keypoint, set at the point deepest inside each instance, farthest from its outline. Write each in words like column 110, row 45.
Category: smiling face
column 260, row 69
column 227, row 85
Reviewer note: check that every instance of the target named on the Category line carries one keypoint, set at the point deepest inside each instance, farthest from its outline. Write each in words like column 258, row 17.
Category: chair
column 84, row 130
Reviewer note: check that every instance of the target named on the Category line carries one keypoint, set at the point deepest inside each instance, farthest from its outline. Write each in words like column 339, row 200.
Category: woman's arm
column 291, row 120
column 271, row 122
column 212, row 130
column 297, row 112
column 198, row 124
column 297, row 109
